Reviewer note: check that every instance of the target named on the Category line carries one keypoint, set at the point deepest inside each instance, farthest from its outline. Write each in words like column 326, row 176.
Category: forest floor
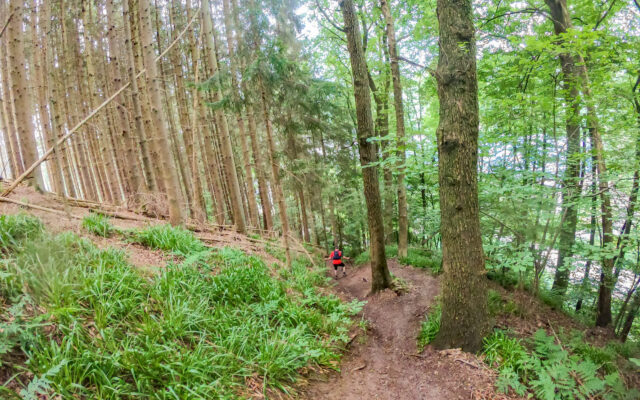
column 383, row 362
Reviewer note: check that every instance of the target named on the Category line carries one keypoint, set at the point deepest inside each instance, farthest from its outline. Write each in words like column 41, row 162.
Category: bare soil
column 383, row 362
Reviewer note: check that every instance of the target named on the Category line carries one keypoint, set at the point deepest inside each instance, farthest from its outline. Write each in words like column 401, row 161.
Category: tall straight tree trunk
column 275, row 170
column 259, row 166
column 225, row 139
column 403, row 223
column 380, row 276
column 235, row 89
column 140, row 184
column 40, row 58
column 165, row 167
column 562, row 23
column 464, row 290
column 570, row 182
column 21, row 96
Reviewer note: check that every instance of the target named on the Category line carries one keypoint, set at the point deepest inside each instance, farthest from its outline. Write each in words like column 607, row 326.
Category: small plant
column 98, row 224
column 430, row 327
column 169, row 238
column 362, row 258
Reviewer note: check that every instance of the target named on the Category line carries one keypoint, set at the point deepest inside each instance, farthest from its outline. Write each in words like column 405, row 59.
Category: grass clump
column 497, row 305
column 545, row 369
column 15, row 229
column 198, row 329
column 177, row 240
column 98, row 224
column 430, row 327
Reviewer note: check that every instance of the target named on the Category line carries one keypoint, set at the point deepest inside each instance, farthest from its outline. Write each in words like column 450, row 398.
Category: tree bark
column 380, row 276
column 464, row 291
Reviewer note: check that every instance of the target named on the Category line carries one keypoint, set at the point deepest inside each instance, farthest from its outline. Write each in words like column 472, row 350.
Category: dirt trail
column 384, row 364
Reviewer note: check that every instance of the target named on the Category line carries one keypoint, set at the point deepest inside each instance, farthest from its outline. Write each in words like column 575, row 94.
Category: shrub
column 169, row 238
column 98, row 224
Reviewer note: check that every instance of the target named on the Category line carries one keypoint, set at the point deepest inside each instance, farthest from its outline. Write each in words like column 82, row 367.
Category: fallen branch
column 47, row 153
column 6, row 24
column 37, row 207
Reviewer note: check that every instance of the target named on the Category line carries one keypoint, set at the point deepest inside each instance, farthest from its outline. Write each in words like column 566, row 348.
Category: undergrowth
column 80, row 322
column 98, row 224
column 547, row 369
column 430, row 326
column 177, row 240
column 15, row 229
column 416, row 257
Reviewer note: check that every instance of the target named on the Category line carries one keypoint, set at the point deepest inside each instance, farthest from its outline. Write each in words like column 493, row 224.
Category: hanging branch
column 92, row 114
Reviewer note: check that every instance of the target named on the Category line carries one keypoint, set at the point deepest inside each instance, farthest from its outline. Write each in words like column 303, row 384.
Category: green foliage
column 98, row 224
column 177, row 240
column 422, row 258
column 497, row 305
column 362, row 258
column 86, row 324
column 430, row 327
column 15, row 229
column 546, row 369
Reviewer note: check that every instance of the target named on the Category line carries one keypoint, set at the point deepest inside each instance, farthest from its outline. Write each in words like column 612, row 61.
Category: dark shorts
column 335, row 266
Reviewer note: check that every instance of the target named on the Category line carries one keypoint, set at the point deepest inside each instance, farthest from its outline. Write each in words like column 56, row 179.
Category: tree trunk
column 165, row 167
column 21, row 96
column 225, row 138
column 571, row 188
column 631, row 315
column 403, row 223
column 140, row 184
column 380, row 277
column 464, row 291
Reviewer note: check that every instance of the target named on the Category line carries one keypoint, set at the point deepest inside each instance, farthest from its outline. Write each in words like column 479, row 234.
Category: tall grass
column 86, row 324
column 98, row 224
column 15, row 229
column 177, row 240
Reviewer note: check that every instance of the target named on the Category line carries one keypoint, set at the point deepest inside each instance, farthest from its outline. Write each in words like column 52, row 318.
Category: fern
column 42, row 384
column 548, row 371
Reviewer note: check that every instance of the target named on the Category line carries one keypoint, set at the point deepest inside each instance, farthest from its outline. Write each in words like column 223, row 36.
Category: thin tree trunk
column 165, row 169
column 225, row 139
column 464, row 291
column 380, row 277
column 17, row 64
column 403, row 223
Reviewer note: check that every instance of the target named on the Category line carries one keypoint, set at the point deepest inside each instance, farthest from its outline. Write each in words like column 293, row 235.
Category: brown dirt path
column 383, row 363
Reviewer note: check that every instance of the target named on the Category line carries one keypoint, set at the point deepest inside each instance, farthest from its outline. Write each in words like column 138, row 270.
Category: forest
column 176, row 177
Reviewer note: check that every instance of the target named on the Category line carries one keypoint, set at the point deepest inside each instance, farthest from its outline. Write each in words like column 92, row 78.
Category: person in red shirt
column 336, row 257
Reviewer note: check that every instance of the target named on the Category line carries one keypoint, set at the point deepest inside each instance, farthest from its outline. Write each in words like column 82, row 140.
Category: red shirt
column 338, row 261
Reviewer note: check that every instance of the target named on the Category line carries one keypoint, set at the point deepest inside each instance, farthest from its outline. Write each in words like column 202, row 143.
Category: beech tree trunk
column 403, row 223
column 380, row 277
column 464, row 291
